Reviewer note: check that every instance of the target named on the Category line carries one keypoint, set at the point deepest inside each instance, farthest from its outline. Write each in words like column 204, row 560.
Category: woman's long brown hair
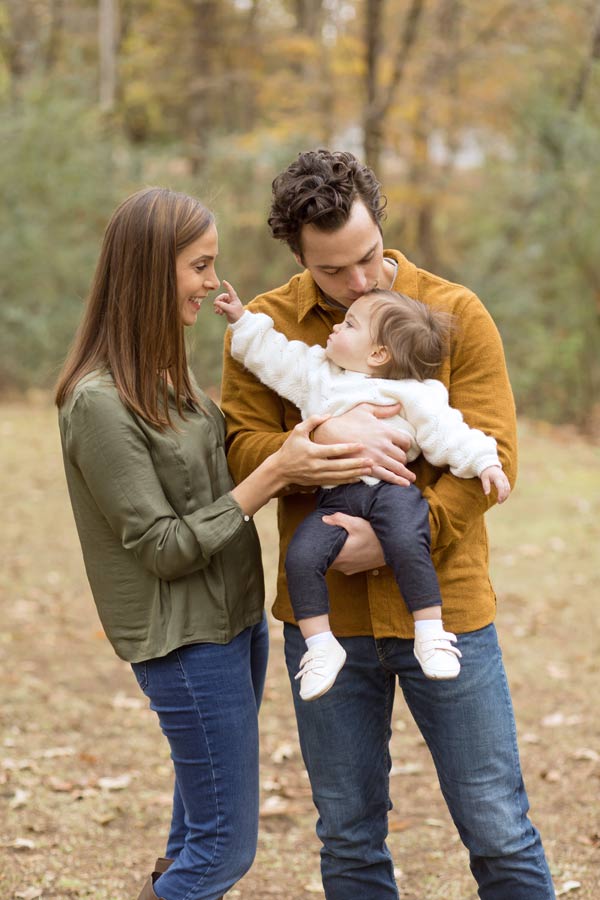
column 132, row 323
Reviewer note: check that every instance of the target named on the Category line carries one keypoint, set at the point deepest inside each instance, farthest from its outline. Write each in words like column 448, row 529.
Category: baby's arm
column 446, row 439
column 494, row 475
column 291, row 368
column 228, row 304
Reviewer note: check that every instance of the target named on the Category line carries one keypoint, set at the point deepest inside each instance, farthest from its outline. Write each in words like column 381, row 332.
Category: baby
column 385, row 352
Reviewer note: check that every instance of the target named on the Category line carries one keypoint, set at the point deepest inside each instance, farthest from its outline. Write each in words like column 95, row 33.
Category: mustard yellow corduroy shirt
column 476, row 377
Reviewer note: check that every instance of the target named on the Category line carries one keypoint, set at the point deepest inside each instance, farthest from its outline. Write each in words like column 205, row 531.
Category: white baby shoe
column 436, row 655
column 319, row 667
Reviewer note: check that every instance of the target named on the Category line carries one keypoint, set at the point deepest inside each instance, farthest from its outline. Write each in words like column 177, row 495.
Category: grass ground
column 85, row 776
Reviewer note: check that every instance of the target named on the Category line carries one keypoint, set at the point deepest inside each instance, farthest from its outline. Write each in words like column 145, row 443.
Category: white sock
column 429, row 628
column 320, row 638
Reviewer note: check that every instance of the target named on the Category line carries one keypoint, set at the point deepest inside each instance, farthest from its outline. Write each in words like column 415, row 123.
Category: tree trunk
column 205, row 96
column 14, row 37
column 107, row 52
column 381, row 97
column 372, row 119
column 55, row 31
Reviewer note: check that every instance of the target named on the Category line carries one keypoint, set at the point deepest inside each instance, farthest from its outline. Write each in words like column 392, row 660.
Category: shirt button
column 246, row 518
column 375, row 572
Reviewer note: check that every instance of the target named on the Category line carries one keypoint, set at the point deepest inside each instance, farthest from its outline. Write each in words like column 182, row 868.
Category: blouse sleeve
column 105, row 443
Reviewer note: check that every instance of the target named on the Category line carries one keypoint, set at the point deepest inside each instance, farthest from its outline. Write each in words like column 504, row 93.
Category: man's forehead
column 347, row 245
column 337, row 249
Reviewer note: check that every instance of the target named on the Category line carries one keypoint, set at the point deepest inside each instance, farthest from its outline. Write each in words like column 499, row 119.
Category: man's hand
column 303, row 462
column 380, row 441
column 361, row 551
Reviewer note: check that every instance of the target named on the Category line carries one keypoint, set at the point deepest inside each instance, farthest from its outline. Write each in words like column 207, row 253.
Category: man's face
column 346, row 263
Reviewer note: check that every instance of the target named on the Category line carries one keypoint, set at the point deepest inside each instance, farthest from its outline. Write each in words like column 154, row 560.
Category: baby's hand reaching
column 229, row 304
column 494, row 475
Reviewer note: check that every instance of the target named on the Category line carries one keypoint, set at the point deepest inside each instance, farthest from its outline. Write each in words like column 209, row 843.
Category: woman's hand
column 304, row 462
column 381, row 442
column 361, row 551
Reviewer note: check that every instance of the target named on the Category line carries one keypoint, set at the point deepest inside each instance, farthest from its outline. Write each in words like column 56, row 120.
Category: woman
column 170, row 549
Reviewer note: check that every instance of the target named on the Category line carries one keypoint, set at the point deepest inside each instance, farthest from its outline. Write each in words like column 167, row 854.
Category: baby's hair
column 416, row 336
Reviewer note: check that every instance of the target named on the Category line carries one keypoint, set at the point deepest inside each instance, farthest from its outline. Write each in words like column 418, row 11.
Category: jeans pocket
column 140, row 670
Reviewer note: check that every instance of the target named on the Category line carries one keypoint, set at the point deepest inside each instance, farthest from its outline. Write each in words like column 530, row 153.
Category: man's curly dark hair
column 319, row 188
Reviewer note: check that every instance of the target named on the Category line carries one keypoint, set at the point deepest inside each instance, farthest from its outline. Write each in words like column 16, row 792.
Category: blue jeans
column 399, row 516
column 469, row 727
column 206, row 697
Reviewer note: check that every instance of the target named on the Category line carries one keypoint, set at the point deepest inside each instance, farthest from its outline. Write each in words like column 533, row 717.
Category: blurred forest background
column 480, row 117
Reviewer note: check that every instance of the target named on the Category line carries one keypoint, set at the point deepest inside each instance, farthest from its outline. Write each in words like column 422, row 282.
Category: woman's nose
column 212, row 280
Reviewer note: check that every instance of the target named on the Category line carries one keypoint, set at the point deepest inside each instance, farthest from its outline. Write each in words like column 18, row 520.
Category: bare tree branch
column 593, row 56
column 407, row 43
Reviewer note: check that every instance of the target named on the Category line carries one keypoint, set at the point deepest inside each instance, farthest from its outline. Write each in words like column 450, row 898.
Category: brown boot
column 148, row 890
column 161, row 865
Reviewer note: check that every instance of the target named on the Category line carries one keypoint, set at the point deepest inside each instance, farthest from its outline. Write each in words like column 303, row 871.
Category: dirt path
column 85, row 778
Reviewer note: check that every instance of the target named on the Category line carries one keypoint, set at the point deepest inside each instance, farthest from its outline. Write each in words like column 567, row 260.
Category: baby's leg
column 400, row 518
column 312, row 549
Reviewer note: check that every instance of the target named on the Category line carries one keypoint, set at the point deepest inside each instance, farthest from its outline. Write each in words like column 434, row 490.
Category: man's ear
column 298, row 259
column 380, row 356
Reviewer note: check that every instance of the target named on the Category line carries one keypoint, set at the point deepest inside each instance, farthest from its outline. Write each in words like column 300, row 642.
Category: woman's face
column 196, row 274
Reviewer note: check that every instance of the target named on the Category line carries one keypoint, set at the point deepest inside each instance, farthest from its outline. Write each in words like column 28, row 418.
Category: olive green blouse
column 170, row 556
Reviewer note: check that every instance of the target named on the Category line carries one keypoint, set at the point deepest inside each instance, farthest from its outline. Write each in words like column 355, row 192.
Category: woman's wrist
column 264, row 483
column 274, row 474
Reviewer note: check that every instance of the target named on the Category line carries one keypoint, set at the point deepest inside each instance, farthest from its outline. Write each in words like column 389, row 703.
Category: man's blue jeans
column 469, row 727
column 206, row 697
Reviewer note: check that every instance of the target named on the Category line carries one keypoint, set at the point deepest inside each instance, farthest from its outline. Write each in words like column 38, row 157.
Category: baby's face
column 350, row 344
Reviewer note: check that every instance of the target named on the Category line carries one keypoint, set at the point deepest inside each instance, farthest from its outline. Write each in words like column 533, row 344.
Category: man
column 328, row 208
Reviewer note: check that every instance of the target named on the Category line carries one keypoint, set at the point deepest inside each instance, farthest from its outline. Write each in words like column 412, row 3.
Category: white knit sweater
column 317, row 386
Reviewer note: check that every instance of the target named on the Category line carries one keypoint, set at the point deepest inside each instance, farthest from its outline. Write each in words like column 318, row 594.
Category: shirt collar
column 309, row 295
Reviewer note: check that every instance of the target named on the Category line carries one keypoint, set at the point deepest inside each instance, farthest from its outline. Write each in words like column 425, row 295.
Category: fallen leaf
column 314, row 887
column 552, row 775
column 18, row 764
column 54, row 752
column 557, row 544
column 585, row 753
column 567, row 887
column 116, row 783
column 30, row 894
column 284, row 751
column 399, row 824
column 556, row 671
column 22, row 844
column 558, row 719
column 59, row 786
column 274, row 806
column 104, row 818
column 122, row 701
column 406, row 769
column 88, row 758
column 20, row 798
column 530, row 550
